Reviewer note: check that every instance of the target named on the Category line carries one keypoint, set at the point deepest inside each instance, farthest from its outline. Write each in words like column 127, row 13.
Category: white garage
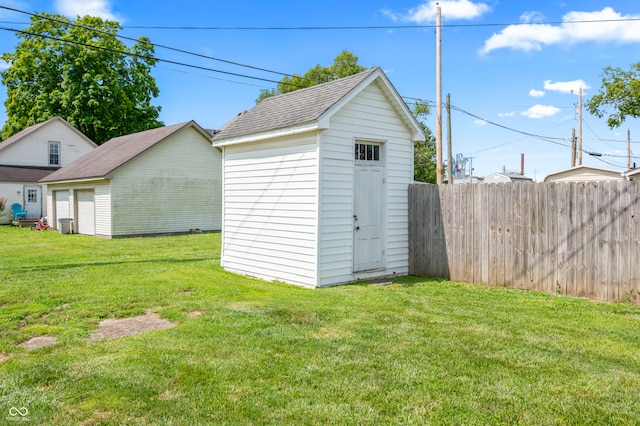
column 161, row 181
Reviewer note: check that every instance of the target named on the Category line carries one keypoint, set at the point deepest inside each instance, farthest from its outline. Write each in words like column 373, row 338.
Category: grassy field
column 417, row 351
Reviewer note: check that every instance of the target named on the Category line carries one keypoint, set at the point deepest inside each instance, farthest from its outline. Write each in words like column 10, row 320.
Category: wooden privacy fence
column 579, row 239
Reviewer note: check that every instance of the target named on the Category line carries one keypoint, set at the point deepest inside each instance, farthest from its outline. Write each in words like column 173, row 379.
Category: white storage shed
column 315, row 184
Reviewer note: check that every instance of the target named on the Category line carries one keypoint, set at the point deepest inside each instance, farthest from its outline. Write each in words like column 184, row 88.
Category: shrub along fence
column 579, row 239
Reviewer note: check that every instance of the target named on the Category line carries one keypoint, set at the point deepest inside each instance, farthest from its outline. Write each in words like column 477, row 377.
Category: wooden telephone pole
column 438, row 99
column 573, row 147
column 580, row 127
column 449, row 143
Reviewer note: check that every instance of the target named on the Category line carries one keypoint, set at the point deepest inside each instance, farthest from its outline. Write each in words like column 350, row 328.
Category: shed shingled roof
column 291, row 109
column 116, row 152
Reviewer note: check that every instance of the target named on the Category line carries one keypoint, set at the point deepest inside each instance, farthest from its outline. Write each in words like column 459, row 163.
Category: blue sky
column 500, row 72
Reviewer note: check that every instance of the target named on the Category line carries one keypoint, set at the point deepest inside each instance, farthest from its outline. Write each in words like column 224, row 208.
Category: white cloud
column 4, row 65
column 540, row 111
column 536, row 93
column 449, row 9
column 566, row 86
column 506, row 114
column 534, row 36
column 532, row 17
column 479, row 122
column 73, row 8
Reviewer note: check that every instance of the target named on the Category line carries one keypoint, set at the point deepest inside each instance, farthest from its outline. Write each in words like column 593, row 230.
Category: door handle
column 357, row 228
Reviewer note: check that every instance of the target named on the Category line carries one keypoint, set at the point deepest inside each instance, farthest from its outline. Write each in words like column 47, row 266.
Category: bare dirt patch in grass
column 39, row 342
column 4, row 357
column 113, row 328
column 194, row 314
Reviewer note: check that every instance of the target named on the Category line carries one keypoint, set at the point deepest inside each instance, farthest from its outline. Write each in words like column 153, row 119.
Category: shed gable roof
column 304, row 107
column 116, row 152
column 32, row 129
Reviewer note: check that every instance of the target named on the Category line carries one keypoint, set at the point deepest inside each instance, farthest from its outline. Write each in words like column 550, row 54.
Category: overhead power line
column 168, row 61
column 372, row 27
column 60, row 21
column 553, row 140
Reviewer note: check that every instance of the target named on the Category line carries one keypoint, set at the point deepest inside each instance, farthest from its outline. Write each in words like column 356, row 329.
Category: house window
column 367, row 152
column 32, row 195
column 54, row 153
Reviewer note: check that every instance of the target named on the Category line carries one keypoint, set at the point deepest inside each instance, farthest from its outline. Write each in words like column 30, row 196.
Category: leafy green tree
column 345, row 64
column 89, row 78
column 620, row 92
column 424, row 153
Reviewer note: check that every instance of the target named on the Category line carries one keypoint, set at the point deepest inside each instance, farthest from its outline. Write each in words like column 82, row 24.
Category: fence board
column 580, row 239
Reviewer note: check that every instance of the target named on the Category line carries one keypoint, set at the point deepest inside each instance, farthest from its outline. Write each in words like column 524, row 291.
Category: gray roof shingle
column 114, row 153
column 291, row 109
column 24, row 173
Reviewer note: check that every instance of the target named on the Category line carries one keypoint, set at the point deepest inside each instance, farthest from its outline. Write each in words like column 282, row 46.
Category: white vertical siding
column 367, row 117
column 102, row 197
column 270, row 209
column 174, row 187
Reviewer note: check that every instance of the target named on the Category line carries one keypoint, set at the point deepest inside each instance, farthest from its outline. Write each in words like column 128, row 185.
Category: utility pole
column 449, row 144
column 628, row 149
column 573, row 147
column 471, row 168
column 438, row 97
column 580, row 127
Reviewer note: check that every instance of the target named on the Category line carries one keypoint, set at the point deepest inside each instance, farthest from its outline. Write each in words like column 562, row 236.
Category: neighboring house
column 506, row 178
column 161, row 181
column 32, row 154
column 468, row 179
column 632, row 174
column 583, row 174
column 315, row 184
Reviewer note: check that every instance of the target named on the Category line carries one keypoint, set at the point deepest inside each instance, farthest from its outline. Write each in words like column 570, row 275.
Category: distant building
column 468, row 179
column 505, row 177
column 632, row 174
column 583, row 174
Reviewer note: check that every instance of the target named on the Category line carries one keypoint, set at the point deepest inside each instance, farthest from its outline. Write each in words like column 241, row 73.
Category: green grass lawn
column 417, row 351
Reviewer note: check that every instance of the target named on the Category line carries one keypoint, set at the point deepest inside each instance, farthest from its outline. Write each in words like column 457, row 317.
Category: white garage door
column 86, row 213
column 62, row 206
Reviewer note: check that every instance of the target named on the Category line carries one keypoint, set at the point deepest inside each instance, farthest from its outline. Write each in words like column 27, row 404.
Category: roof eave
column 74, row 180
column 273, row 134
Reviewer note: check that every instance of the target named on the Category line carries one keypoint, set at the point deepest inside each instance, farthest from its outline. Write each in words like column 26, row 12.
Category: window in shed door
column 367, row 152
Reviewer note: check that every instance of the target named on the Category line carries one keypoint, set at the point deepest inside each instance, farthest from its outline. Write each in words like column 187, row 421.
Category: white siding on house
column 367, row 117
column 33, row 149
column 173, row 187
column 270, row 209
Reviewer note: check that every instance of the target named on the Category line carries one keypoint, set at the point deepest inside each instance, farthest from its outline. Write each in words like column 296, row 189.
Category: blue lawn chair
column 17, row 211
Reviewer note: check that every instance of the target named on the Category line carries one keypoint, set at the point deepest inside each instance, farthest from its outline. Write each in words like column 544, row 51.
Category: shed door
column 86, row 212
column 368, row 218
column 62, row 205
column 33, row 201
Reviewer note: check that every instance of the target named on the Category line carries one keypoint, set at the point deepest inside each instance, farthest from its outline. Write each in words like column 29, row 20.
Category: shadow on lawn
column 49, row 267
